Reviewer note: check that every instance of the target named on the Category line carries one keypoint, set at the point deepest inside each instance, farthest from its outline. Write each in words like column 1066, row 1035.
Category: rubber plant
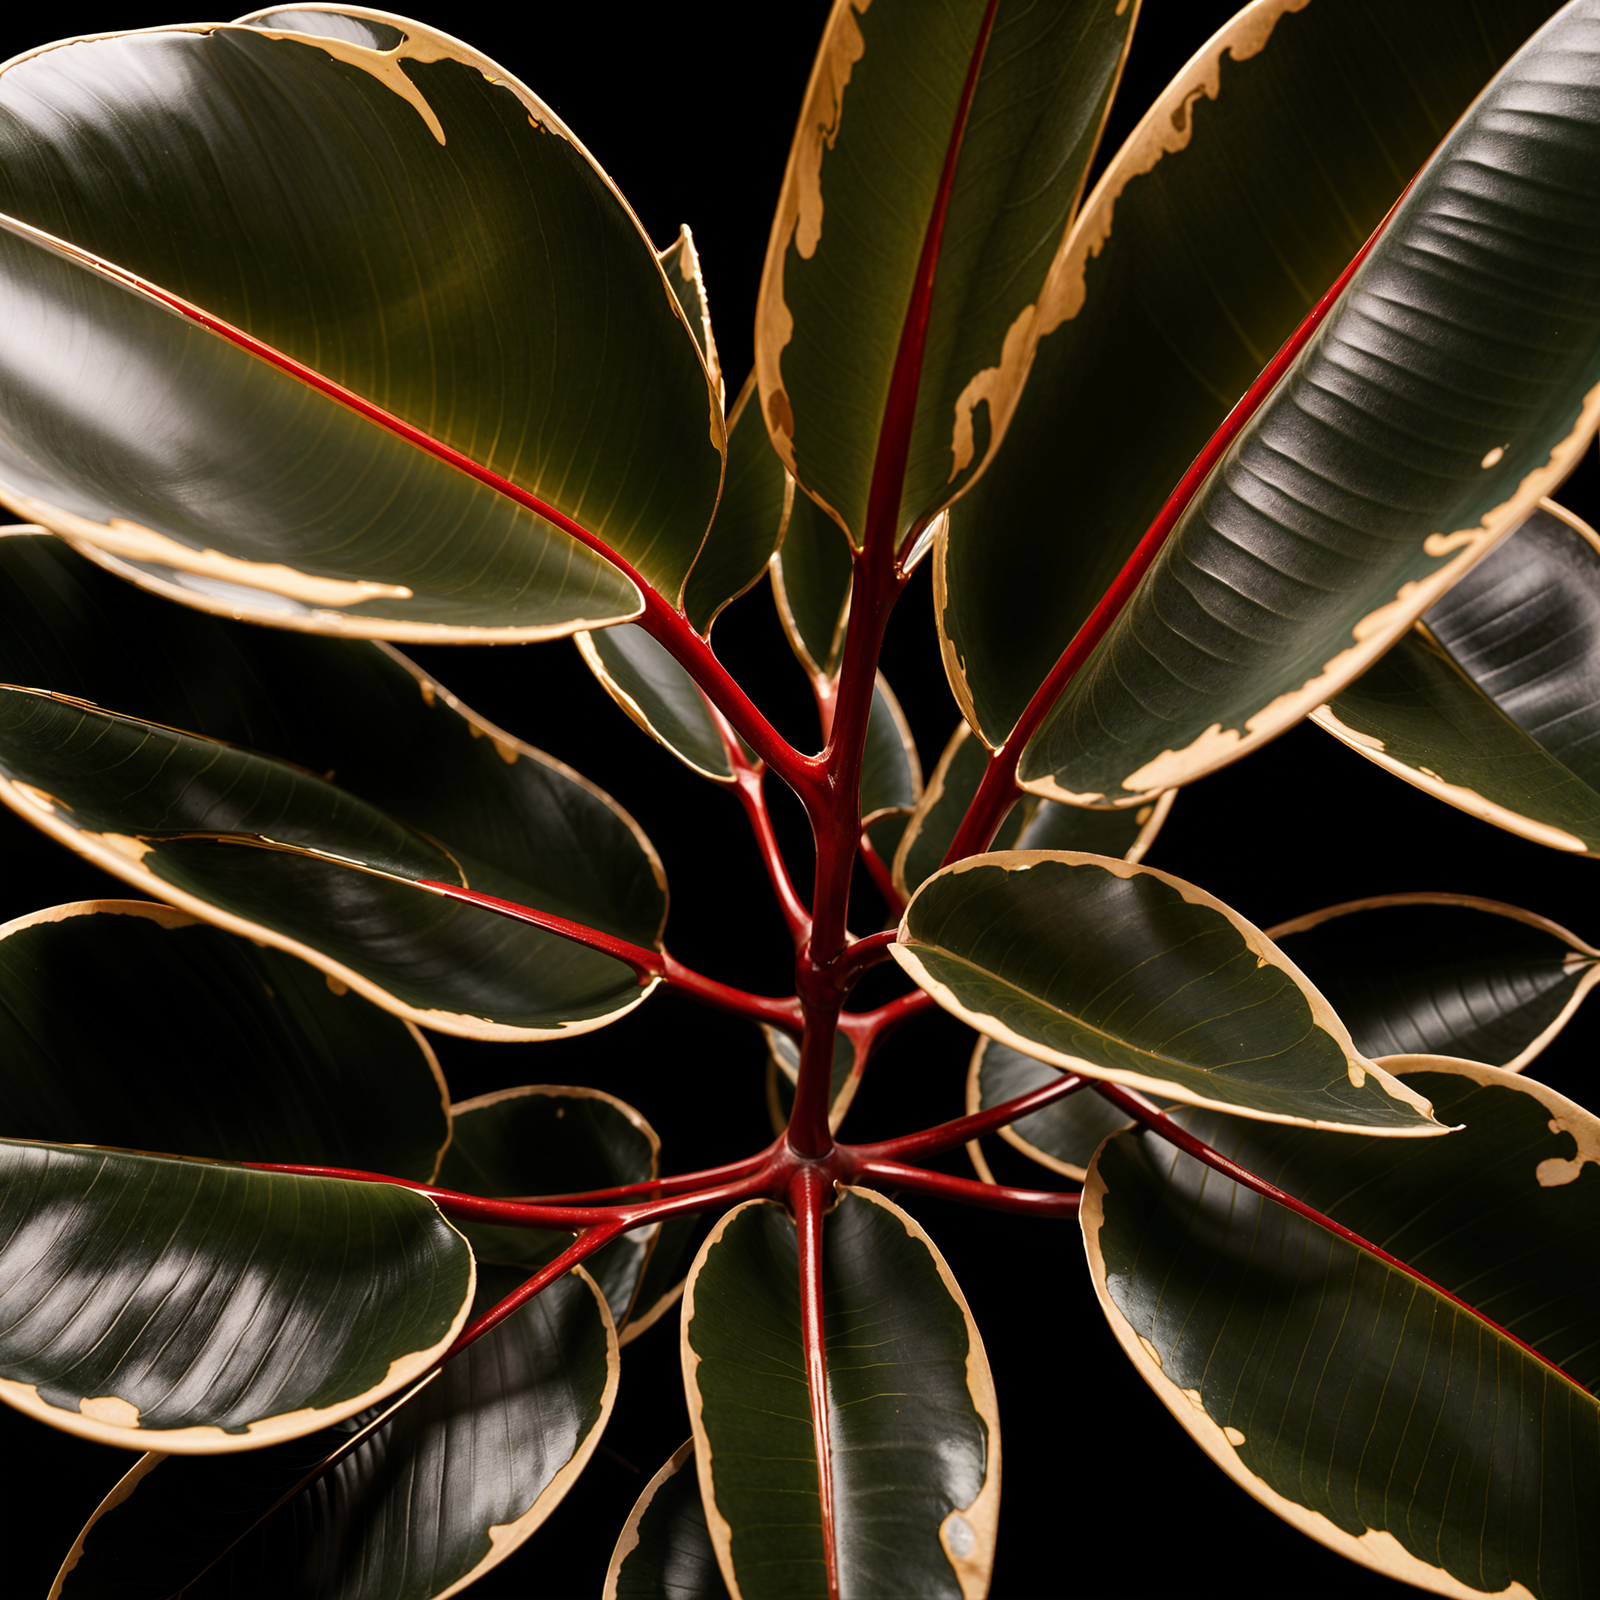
column 325, row 327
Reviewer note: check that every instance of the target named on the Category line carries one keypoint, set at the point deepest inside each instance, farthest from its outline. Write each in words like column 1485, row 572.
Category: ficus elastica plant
column 398, row 554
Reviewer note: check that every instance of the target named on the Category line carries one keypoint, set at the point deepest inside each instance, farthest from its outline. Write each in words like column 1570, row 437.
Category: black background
column 691, row 111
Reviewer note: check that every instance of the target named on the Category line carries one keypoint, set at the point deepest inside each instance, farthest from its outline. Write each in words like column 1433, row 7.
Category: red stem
column 659, row 1188
column 585, row 1245
column 1162, row 1125
column 648, row 964
column 935, row 1141
column 899, row 411
column 882, row 1020
column 882, row 876
column 777, row 1012
column 748, row 787
column 757, row 1180
column 998, row 787
column 995, row 1196
column 861, row 956
column 809, row 1193
column 835, row 808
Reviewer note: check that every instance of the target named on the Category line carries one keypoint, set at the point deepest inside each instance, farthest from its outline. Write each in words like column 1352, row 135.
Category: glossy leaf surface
column 501, row 301
column 314, row 1076
column 1240, row 197
column 1122, row 972
column 910, row 1408
column 543, row 1141
column 183, row 1306
column 524, row 826
column 1456, row 380
column 1374, row 1413
column 1444, row 975
column 447, row 1488
column 847, row 252
column 751, row 516
column 1493, row 702
column 665, row 1550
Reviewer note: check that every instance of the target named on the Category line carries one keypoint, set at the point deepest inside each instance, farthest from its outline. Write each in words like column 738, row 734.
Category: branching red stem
column 658, row 1188
column 882, row 1020
column 998, row 787
column 834, row 809
column 861, row 957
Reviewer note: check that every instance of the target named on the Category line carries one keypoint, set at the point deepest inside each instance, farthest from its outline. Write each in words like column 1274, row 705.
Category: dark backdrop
column 691, row 110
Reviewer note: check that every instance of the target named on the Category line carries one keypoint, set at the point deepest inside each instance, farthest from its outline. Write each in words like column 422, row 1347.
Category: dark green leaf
column 858, row 201
column 911, row 1412
column 315, row 1075
column 1062, row 1137
column 932, row 827
column 665, row 1550
column 1492, row 701
column 751, row 516
column 661, row 1287
column 525, row 827
column 1388, row 1421
column 501, row 300
column 1455, row 382
column 152, row 1302
column 444, row 1490
column 1122, row 972
column 162, row 809
column 811, row 576
column 1445, row 975
column 1238, row 199
column 891, row 774
column 541, row 1141
column 644, row 679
